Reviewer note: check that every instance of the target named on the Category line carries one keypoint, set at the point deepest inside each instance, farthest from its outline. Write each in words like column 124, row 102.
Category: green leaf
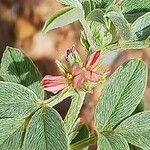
column 18, row 68
column 140, row 107
column 98, row 36
column 112, row 142
column 84, row 41
column 45, row 131
column 136, row 129
column 103, row 143
column 132, row 147
column 16, row 100
column 133, row 9
column 72, row 3
column 126, row 45
column 87, row 27
column 82, row 133
column 121, row 24
column 96, row 15
column 102, row 3
column 67, row 92
column 118, row 142
column 87, row 6
column 74, row 110
column 11, row 131
column 62, row 17
column 135, row 14
column 130, row 5
column 121, row 94
column 139, row 25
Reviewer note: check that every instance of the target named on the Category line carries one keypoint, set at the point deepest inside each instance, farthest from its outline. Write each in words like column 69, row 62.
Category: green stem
column 59, row 97
column 84, row 143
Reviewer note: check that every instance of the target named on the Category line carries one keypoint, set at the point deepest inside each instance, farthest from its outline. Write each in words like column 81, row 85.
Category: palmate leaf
column 16, row 100
column 45, row 132
column 11, row 131
column 136, row 130
column 140, row 25
column 112, row 142
column 121, row 94
column 62, row 17
column 17, row 68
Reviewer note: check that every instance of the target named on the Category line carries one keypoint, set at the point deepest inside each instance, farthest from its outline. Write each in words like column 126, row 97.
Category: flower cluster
column 77, row 74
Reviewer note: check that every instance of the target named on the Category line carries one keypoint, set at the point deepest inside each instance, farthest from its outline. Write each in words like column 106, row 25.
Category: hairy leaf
column 16, row 100
column 121, row 24
column 11, row 131
column 73, row 112
column 118, row 142
column 45, row 132
column 127, row 45
column 72, row 3
column 136, row 129
column 18, row 68
column 121, row 94
column 103, row 143
column 133, row 15
column 87, row 6
column 98, row 36
column 112, row 142
column 62, row 17
column 96, row 15
column 130, row 5
column 101, row 3
column 140, row 25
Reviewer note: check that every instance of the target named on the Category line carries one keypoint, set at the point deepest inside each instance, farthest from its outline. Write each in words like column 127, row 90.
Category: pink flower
column 93, row 60
column 76, row 75
column 54, row 84
column 91, row 66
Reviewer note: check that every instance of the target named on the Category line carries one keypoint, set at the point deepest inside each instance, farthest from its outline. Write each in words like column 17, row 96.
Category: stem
column 89, row 141
column 84, row 143
column 59, row 97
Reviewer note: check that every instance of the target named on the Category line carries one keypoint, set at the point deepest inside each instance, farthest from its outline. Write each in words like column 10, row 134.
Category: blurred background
column 21, row 22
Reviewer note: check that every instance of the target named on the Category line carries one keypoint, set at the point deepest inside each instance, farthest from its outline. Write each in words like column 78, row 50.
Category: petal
column 93, row 60
column 75, row 69
column 56, row 88
column 92, row 76
column 54, row 83
column 53, row 78
column 78, row 80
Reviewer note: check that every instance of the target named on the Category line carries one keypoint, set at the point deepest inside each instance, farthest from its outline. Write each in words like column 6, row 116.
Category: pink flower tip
column 93, row 60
